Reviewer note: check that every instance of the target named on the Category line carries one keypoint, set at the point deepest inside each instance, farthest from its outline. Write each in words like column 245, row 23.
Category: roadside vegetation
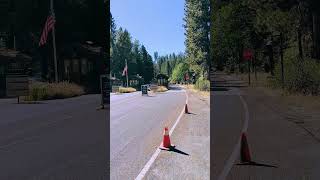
column 196, row 59
column 127, row 90
column 271, row 29
column 202, row 84
column 162, row 89
column 47, row 91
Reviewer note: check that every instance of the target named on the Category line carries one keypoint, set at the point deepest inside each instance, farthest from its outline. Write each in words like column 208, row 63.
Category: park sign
column 17, row 85
column 144, row 90
column 105, row 89
column 247, row 54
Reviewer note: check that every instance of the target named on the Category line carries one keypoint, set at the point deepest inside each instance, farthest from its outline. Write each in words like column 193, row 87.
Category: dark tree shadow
column 174, row 88
column 219, row 89
column 30, row 102
column 252, row 163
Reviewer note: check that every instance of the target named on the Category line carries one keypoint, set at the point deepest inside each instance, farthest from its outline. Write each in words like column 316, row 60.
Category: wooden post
column 249, row 72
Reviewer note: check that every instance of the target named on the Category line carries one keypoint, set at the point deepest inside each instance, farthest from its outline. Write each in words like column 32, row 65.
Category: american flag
column 47, row 28
column 125, row 71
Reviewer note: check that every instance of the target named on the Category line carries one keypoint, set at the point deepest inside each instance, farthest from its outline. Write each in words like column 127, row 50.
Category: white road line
column 145, row 169
column 236, row 151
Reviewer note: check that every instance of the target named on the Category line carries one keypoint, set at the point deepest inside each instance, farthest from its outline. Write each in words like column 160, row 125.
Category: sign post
column 105, row 90
column 247, row 55
column 144, row 90
column 17, row 85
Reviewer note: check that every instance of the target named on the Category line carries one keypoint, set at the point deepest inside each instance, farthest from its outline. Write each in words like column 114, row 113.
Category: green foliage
column 197, row 28
column 166, row 64
column 124, row 48
column 178, row 73
column 300, row 76
column 202, row 84
column 256, row 25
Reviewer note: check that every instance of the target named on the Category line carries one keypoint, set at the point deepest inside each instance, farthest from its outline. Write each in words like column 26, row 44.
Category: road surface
column 57, row 139
column 136, row 128
column 280, row 148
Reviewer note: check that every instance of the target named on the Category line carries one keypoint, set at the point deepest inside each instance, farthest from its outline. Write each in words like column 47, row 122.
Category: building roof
column 10, row 54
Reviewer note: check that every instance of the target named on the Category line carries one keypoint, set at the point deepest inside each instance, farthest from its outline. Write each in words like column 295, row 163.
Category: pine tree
column 197, row 30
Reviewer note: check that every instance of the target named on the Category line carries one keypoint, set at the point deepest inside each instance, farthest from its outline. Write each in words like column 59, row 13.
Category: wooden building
column 82, row 64
column 12, row 62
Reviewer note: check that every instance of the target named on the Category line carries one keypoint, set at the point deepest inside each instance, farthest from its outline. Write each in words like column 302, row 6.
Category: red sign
column 186, row 77
column 247, row 54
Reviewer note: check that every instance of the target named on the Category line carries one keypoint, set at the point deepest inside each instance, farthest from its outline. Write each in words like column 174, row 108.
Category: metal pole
column 14, row 42
column 101, row 88
column 127, row 74
column 54, row 44
column 281, row 52
column 255, row 67
column 249, row 71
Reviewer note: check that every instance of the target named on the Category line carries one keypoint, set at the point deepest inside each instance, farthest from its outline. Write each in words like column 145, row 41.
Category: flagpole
column 54, row 44
column 127, row 74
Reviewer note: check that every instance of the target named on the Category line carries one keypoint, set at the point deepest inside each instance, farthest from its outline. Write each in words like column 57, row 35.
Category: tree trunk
column 300, row 43
column 315, row 32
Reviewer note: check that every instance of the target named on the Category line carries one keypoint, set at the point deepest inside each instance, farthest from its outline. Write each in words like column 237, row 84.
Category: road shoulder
column 191, row 160
column 278, row 137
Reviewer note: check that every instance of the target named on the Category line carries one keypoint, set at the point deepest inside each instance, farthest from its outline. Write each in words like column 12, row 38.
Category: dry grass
column 192, row 88
column 162, row 89
column 127, row 90
column 259, row 80
column 47, row 91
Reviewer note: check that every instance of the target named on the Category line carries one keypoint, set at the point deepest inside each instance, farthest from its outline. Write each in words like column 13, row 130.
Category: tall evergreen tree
column 197, row 30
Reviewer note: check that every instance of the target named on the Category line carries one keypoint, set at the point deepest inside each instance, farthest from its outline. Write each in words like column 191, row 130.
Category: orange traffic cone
column 166, row 144
column 245, row 152
column 186, row 109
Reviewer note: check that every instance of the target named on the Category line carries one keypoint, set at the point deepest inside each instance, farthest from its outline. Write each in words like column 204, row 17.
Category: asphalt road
column 280, row 148
column 58, row 139
column 136, row 128
column 227, row 121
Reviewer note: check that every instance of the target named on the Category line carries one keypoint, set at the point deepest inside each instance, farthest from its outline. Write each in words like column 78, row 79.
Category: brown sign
column 17, row 85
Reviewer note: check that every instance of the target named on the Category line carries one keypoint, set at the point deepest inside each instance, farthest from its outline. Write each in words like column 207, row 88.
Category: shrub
column 127, row 90
column 202, row 84
column 302, row 76
column 47, row 91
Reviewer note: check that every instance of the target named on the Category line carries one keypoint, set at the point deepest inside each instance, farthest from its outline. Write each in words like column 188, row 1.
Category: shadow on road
column 30, row 103
column 175, row 88
column 219, row 89
column 191, row 113
column 256, row 164
column 178, row 151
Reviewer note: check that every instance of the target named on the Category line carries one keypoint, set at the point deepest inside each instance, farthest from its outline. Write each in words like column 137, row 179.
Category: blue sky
column 157, row 24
